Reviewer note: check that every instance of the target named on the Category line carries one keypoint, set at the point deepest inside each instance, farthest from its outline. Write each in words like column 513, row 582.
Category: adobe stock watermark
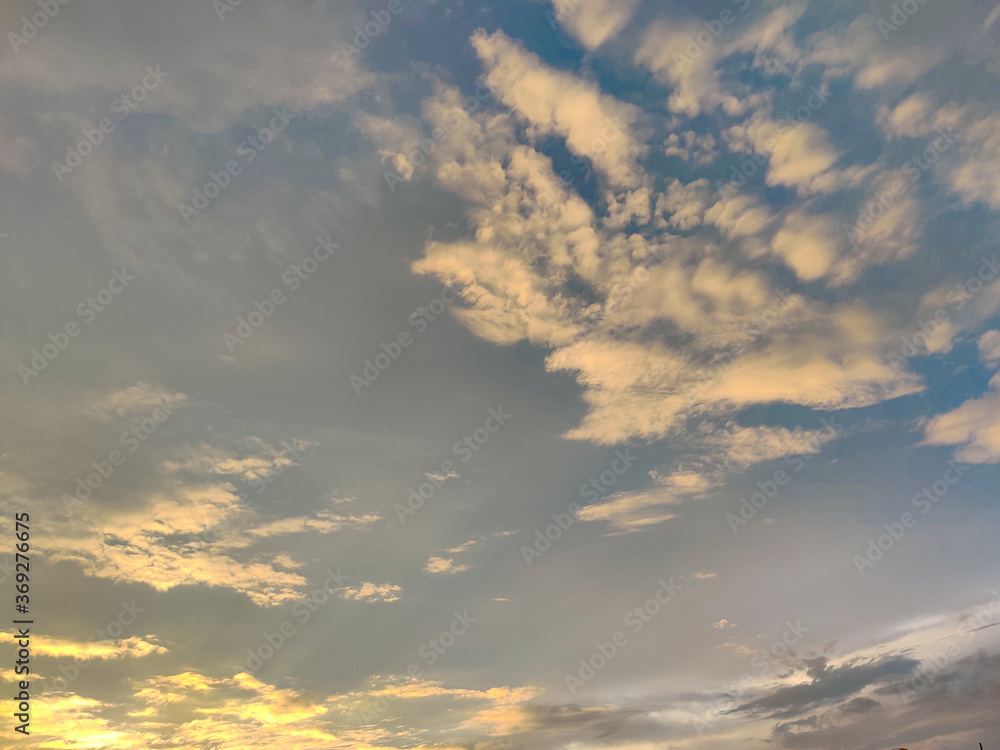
column 635, row 620
column 613, row 130
column 243, row 500
column 592, row 490
column 371, row 30
column 123, row 106
column 753, row 329
column 564, row 13
column 764, row 661
column 425, row 148
column 915, row 343
column 420, row 319
column 768, row 489
column 622, row 293
column 48, row 9
column 248, row 151
column 429, row 652
column 364, row 34
column 914, row 168
column 927, row 498
column 132, row 438
column 293, row 277
column 88, row 309
column 701, row 41
column 127, row 615
column 546, row 198
column 303, row 611
column 222, row 7
column 935, row 664
column 901, row 13
column 463, row 449
column 756, row 160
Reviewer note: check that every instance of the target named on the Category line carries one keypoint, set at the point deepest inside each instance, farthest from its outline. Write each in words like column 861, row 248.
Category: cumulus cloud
column 989, row 347
column 685, row 203
column 918, row 115
column 810, row 245
column 799, row 153
column 857, row 51
column 974, row 427
column 438, row 565
column 691, row 146
column 670, row 51
column 772, row 41
column 138, row 398
column 595, row 21
column 979, row 159
column 681, row 313
column 958, row 308
column 594, row 124
column 747, row 342
column 175, row 538
column 185, row 527
column 371, row 592
column 662, row 329
column 686, row 54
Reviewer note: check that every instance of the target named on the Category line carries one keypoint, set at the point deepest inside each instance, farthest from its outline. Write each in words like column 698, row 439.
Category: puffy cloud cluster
column 662, row 329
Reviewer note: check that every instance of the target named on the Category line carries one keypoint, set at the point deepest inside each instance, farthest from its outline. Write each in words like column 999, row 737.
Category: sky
column 570, row 375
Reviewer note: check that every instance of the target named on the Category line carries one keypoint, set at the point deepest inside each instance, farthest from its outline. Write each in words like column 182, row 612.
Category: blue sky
column 576, row 374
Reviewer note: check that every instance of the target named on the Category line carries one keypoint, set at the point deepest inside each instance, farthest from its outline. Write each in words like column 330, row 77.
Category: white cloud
column 593, row 22
column 134, row 647
column 139, row 398
column 633, row 511
column 859, row 52
column 439, row 565
column 685, row 203
column 771, row 40
column 918, row 116
column 809, row 244
column 184, row 536
column 184, row 528
column 631, row 206
column 964, row 306
column 370, row 592
column 691, row 146
column 717, row 452
column 670, row 51
column 975, row 177
column 742, row 447
column 323, row 522
column 799, row 154
column 989, row 347
column 739, row 215
column 685, row 53
column 774, row 348
column 594, row 124
column 974, row 428
column 263, row 461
